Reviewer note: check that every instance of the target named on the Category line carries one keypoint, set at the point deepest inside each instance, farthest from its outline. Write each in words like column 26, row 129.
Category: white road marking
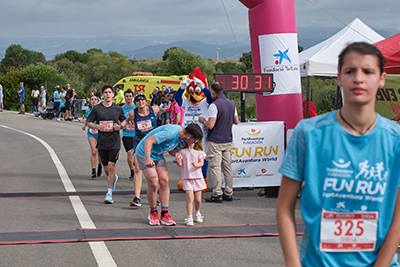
column 99, row 249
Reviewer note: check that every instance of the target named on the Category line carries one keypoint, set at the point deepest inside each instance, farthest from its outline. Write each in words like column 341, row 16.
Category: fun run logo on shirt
column 368, row 182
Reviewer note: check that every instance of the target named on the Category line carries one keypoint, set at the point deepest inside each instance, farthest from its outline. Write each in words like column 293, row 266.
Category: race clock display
column 245, row 82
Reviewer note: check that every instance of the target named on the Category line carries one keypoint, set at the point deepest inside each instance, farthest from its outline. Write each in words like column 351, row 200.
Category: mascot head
column 194, row 90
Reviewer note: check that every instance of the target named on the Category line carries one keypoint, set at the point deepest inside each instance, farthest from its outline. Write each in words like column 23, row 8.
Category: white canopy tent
column 321, row 59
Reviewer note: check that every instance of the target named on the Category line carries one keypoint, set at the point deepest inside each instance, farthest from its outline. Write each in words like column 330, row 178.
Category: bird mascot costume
column 196, row 102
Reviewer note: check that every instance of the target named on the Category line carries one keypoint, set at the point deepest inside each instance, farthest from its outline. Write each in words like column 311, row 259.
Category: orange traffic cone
column 205, row 190
column 179, row 185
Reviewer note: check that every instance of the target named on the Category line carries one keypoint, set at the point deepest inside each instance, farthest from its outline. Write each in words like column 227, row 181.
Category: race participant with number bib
column 150, row 158
column 110, row 119
column 92, row 135
column 144, row 121
column 347, row 164
column 129, row 131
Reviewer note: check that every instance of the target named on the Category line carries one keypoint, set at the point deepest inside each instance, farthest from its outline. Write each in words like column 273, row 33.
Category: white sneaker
column 199, row 218
column 58, row 119
column 189, row 222
column 108, row 199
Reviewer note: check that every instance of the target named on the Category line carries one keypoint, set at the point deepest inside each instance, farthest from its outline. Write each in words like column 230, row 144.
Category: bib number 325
column 348, row 232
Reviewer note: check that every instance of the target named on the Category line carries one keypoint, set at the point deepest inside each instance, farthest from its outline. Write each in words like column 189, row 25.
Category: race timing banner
column 257, row 152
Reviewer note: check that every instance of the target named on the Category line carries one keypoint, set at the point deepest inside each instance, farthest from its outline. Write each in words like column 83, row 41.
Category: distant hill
column 148, row 48
column 206, row 51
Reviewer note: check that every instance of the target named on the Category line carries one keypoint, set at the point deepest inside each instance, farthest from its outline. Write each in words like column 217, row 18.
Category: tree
column 10, row 82
column 247, row 61
column 107, row 67
column 38, row 74
column 73, row 56
column 179, row 61
column 229, row 67
column 18, row 58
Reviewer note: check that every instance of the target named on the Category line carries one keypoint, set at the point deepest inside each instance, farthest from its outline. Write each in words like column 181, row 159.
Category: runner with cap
column 144, row 119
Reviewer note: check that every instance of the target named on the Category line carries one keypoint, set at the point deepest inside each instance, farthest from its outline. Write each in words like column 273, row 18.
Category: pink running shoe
column 153, row 218
column 167, row 220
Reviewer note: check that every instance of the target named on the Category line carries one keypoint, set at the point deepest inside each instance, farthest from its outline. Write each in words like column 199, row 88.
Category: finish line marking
column 100, row 251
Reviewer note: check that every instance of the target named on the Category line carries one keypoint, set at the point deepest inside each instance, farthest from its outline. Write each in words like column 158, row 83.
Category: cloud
column 162, row 19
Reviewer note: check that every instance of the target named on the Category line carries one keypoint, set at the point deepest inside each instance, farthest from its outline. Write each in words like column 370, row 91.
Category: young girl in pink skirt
column 191, row 160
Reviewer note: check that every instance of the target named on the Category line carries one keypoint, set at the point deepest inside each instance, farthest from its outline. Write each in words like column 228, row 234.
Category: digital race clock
column 245, row 82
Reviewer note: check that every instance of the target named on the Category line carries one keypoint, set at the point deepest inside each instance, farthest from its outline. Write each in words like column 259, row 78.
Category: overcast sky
column 86, row 18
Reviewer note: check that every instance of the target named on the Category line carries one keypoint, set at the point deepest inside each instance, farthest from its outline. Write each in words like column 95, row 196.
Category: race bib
column 144, row 125
column 108, row 126
column 93, row 131
column 130, row 128
column 348, row 232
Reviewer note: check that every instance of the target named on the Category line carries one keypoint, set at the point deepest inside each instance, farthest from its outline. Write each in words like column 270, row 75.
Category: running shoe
column 99, row 170
column 115, row 182
column 131, row 177
column 153, row 218
column 158, row 203
column 94, row 174
column 199, row 218
column 136, row 202
column 189, row 222
column 108, row 199
column 167, row 220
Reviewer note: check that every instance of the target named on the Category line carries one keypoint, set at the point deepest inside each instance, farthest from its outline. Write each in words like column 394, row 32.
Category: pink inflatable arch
column 273, row 22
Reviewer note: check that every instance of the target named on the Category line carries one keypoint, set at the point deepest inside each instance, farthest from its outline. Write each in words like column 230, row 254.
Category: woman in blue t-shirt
column 346, row 163
column 92, row 135
column 57, row 99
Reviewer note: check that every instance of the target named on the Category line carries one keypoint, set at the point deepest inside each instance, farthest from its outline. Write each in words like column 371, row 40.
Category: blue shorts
column 95, row 136
column 136, row 141
column 21, row 100
column 89, row 135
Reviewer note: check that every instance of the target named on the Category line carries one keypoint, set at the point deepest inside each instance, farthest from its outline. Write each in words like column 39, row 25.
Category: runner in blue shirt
column 92, row 135
column 348, row 164
column 129, row 131
column 21, row 96
column 150, row 158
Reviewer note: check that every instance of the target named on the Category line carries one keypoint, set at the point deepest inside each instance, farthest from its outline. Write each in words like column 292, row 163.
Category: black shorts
column 68, row 105
column 128, row 142
column 109, row 156
column 63, row 109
